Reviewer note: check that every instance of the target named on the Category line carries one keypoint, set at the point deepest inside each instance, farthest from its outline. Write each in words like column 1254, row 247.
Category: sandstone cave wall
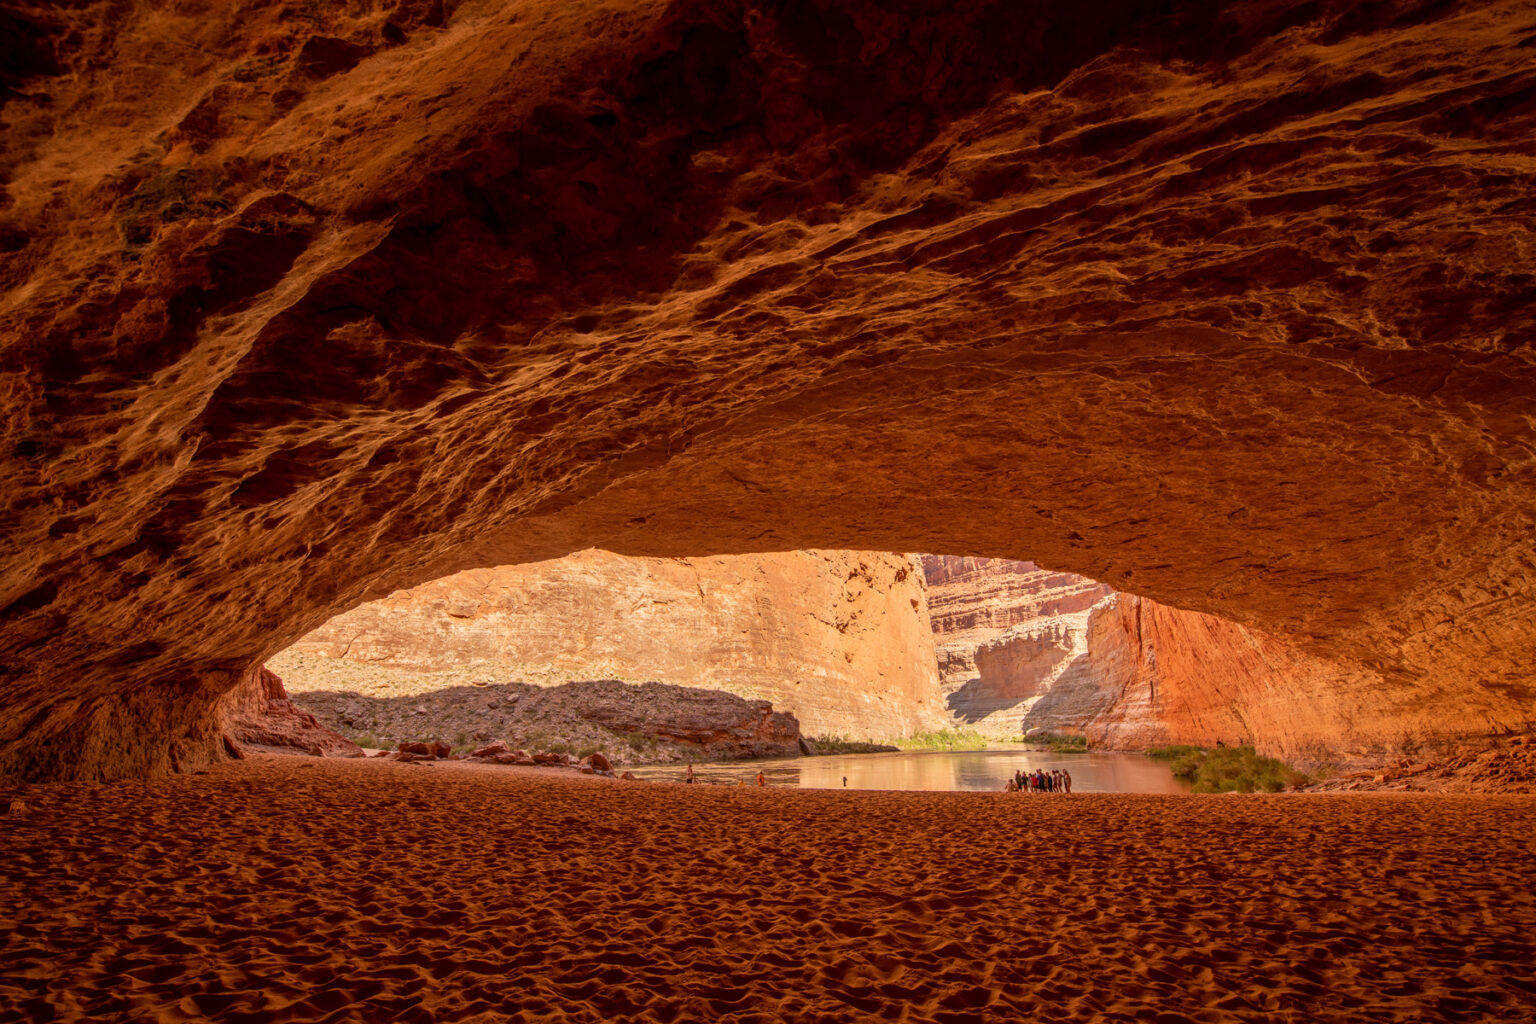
column 300, row 304
column 838, row 638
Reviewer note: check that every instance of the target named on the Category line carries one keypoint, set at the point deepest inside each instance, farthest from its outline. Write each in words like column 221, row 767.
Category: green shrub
column 1068, row 744
column 843, row 745
column 945, row 739
column 1228, row 769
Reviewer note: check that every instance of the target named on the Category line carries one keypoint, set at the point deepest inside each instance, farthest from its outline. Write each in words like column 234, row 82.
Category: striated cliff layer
column 1226, row 304
column 1023, row 649
column 840, row 639
column 1006, row 633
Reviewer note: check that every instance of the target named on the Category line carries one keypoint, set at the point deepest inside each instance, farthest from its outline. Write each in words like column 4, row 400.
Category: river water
column 936, row 770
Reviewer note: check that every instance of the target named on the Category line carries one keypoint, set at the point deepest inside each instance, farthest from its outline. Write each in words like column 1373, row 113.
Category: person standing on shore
column 762, row 780
column 689, row 780
column 1066, row 781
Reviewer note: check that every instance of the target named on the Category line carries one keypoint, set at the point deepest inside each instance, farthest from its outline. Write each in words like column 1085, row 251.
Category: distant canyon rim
column 1226, row 305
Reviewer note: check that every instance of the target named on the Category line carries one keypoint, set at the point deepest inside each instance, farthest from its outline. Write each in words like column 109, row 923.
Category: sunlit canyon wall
column 839, row 638
column 1027, row 650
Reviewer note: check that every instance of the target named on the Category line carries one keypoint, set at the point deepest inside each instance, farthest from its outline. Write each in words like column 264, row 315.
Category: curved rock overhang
column 1224, row 304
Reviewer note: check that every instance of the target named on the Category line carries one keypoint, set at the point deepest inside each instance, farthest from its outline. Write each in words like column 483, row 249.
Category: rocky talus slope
column 839, row 639
column 1224, row 304
column 1503, row 766
column 630, row 723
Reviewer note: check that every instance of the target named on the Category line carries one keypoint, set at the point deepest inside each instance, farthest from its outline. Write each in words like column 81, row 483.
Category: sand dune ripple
column 289, row 889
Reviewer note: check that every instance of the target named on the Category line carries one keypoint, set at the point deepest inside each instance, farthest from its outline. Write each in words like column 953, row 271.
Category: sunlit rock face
column 1223, row 304
column 1023, row 650
column 1008, row 633
column 840, row 639
column 1153, row 675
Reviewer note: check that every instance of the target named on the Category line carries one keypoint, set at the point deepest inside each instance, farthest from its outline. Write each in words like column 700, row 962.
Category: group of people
column 1057, row 780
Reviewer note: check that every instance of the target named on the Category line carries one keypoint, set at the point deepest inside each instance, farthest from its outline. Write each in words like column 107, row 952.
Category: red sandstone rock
column 1025, row 650
column 258, row 713
column 491, row 750
column 1224, row 305
column 424, row 749
column 598, row 761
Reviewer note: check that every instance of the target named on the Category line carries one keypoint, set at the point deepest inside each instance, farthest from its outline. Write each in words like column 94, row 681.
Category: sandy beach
column 297, row 889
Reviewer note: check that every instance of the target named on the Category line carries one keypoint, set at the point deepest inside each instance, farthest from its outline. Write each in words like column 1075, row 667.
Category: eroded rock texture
column 1226, row 304
column 257, row 713
column 839, row 639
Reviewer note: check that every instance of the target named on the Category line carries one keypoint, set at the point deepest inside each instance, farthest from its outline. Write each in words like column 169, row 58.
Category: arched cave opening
column 848, row 648
column 1226, row 305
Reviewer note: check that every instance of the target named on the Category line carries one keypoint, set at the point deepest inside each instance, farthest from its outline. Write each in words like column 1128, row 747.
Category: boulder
column 491, row 751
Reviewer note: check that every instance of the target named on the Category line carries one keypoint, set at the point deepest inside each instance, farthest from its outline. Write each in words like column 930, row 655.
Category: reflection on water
column 937, row 770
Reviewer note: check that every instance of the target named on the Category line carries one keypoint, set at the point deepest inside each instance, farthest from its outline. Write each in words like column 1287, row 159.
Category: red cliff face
column 1022, row 650
column 258, row 714
column 1227, row 304
column 840, row 639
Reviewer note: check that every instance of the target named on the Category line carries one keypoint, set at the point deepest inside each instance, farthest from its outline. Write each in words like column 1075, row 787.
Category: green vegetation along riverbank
column 1228, row 769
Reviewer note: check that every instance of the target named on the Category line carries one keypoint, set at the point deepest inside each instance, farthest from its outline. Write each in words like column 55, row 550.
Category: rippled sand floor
column 291, row 889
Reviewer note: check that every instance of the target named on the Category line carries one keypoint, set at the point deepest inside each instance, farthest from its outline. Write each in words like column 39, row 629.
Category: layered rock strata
column 1025, row 650
column 1006, row 633
column 300, row 304
column 840, row 639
